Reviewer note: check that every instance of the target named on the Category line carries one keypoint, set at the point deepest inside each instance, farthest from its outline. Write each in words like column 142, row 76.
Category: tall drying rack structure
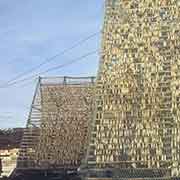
column 57, row 127
column 135, row 133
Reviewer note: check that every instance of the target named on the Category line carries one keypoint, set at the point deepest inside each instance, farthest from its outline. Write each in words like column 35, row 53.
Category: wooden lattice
column 65, row 108
column 137, row 118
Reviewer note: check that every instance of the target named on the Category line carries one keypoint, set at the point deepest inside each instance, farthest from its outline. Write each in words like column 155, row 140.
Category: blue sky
column 33, row 30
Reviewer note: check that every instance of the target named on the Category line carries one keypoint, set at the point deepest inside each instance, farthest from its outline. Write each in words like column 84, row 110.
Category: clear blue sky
column 33, row 30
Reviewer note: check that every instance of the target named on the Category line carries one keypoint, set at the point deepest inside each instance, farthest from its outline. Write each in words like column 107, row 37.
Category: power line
column 51, row 69
column 51, row 58
column 28, row 83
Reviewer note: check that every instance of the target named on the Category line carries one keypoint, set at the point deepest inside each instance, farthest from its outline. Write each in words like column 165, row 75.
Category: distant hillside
column 10, row 138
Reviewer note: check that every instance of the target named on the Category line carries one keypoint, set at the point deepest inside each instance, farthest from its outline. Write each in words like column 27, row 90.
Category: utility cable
column 51, row 58
column 51, row 69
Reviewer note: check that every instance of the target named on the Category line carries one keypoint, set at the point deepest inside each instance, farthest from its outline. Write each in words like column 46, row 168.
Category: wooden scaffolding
column 57, row 127
column 136, row 123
